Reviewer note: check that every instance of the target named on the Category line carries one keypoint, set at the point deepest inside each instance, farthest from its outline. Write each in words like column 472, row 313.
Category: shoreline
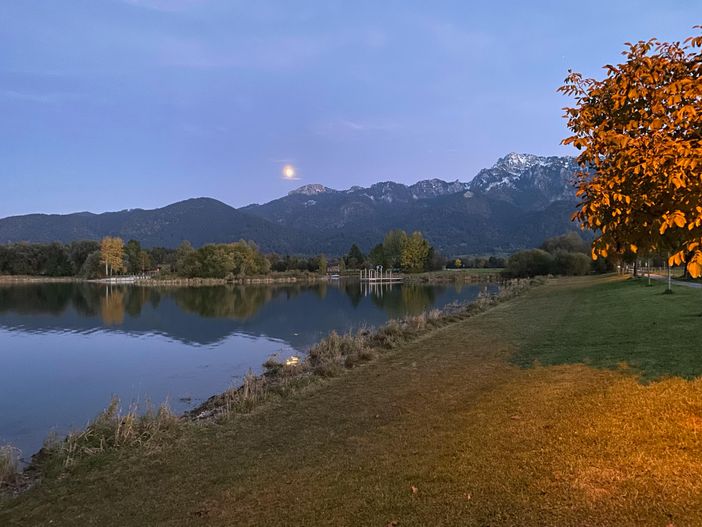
column 337, row 353
column 156, row 282
column 24, row 279
column 429, row 278
column 328, row 358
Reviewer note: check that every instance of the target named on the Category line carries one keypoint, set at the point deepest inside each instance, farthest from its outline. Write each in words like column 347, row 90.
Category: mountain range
column 517, row 203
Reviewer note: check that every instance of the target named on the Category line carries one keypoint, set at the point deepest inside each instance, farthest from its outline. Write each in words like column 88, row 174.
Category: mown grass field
column 575, row 404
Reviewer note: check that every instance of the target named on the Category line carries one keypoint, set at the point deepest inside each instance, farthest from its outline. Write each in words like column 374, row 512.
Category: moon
column 289, row 172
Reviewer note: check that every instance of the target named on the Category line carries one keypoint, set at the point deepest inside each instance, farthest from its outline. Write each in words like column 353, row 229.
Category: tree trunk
column 648, row 267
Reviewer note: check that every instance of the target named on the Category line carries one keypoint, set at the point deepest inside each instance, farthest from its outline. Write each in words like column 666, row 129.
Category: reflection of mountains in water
column 297, row 314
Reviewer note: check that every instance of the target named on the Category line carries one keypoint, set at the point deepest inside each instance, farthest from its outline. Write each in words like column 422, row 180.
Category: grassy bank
column 271, row 278
column 173, row 280
column 456, row 276
column 499, row 419
column 19, row 279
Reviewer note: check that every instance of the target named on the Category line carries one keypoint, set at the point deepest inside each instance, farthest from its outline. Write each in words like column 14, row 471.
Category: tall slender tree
column 112, row 254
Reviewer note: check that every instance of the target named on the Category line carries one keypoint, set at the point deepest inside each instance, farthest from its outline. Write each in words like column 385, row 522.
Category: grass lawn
column 531, row 414
column 618, row 325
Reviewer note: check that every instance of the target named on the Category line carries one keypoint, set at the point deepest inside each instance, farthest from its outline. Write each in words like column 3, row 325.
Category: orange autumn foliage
column 639, row 131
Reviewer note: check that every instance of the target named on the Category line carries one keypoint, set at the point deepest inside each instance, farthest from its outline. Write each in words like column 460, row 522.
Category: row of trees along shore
column 88, row 259
column 399, row 250
column 562, row 255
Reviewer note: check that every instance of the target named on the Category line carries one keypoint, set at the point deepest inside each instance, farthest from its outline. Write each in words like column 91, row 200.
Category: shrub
column 533, row 262
column 570, row 243
column 571, row 264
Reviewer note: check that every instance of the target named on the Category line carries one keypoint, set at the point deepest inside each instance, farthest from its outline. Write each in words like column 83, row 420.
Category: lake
column 67, row 348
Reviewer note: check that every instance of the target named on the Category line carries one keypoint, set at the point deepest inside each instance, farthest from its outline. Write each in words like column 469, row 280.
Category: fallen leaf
column 414, row 489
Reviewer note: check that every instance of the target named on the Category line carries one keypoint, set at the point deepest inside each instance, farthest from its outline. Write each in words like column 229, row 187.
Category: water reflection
column 66, row 348
column 207, row 314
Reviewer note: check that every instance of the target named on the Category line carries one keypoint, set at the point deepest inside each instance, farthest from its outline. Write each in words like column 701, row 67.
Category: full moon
column 289, row 172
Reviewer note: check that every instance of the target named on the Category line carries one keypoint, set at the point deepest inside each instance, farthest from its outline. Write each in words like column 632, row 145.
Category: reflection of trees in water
column 86, row 299
column 31, row 299
column 353, row 291
column 136, row 299
column 113, row 302
column 223, row 301
column 321, row 290
column 406, row 299
column 109, row 302
column 112, row 307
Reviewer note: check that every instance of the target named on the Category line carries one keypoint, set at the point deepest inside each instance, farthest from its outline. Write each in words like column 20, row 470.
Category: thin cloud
column 165, row 5
column 346, row 126
column 39, row 98
column 275, row 53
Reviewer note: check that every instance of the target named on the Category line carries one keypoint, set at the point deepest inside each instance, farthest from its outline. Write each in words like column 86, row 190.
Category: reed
column 112, row 429
column 10, row 469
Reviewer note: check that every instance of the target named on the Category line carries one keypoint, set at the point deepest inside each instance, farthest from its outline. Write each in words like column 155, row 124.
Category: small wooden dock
column 378, row 276
column 131, row 279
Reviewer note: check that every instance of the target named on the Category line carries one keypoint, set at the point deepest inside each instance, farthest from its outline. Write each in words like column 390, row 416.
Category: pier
column 130, row 279
column 379, row 276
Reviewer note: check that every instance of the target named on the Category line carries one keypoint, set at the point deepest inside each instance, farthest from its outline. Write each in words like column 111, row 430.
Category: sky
column 119, row 104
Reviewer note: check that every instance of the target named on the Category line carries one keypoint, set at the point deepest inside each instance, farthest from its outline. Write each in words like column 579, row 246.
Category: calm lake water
column 66, row 349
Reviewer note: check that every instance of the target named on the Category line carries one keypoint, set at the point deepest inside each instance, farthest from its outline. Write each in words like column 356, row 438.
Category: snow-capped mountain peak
column 311, row 190
column 518, row 162
column 528, row 180
column 432, row 188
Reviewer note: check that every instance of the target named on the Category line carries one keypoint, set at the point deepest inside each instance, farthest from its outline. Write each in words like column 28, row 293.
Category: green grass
column 620, row 323
column 446, row 430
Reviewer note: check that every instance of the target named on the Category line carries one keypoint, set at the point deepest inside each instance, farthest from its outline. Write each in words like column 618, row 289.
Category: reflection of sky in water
column 67, row 348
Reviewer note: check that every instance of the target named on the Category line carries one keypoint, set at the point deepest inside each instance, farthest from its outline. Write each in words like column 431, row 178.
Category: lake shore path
column 681, row 283
column 577, row 403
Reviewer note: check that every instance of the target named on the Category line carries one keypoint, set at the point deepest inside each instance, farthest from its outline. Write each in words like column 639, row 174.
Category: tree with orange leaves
column 639, row 131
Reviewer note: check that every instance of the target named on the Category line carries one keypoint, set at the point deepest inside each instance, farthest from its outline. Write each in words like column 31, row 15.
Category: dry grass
column 9, row 465
column 569, row 445
column 112, row 429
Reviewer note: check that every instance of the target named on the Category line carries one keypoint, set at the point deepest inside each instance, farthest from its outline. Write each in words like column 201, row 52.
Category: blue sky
column 113, row 104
